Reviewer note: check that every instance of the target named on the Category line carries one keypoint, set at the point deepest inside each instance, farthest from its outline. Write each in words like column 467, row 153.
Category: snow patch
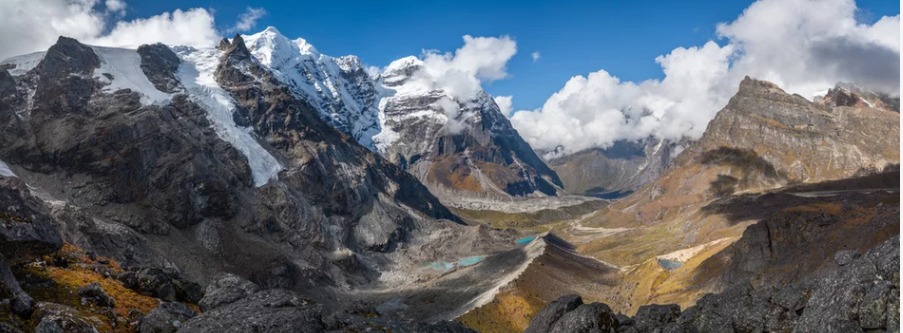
column 5, row 171
column 23, row 63
column 124, row 65
column 683, row 255
column 197, row 73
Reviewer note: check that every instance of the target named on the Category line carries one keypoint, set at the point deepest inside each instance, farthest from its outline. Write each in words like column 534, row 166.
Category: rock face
column 482, row 157
column 764, row 139
column 862, row 296
column 27, row 231
column 618, row 170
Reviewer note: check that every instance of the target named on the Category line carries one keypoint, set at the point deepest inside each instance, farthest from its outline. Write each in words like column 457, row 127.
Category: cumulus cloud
column 248, row 19
column 193, row 27
column 535, row 55
column 791, row 43
column 460, row 74
column 29, row 26
column 505, row 104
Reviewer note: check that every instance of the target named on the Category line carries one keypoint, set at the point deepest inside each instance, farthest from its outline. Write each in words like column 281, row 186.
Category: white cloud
column 535, row 55
column 116, row 6
column 505, row 104
column 460, row 74
column 248, row 19
column 794, row 43
column 193, row 27
column 29, row 26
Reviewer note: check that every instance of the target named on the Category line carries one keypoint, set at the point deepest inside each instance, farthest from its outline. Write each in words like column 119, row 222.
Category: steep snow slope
column 339, row 88
column 121, row 69
column 23, row 63
column 197, row 76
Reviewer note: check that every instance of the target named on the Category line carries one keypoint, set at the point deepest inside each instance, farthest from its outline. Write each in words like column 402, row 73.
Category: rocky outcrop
column 227, row 289
column 265, row 311
column 26, row 232
column 160, row 64
column 55, row 318
column 545, row 319
column 859, row 296
column 164, row 284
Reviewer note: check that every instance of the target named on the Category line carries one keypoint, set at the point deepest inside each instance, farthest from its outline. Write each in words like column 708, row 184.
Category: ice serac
column 461, row 148
column 338, row 88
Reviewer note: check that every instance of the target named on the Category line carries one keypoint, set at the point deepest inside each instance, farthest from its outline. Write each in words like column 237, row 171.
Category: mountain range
column 259, row 185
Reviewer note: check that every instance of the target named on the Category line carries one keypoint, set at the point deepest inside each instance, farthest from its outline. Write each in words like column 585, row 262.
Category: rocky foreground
column 860, row 293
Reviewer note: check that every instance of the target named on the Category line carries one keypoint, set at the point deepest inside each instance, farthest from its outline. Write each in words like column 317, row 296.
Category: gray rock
column 843, row 258
column 587, row 318
column 160, row 64
column 651, row 317
column 56, row 318
column 227, row 289
column 26, row 231
column 443, row 326
column 168, row 317
column 546, row 318
column 269, row 311
column 165, row 284
column 93, row 293
column 7, row 328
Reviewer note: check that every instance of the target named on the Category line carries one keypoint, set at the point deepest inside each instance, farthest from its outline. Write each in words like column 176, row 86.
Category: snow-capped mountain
column 339, row 88
column 458, row 148
column 461, row 148
column 204, row 161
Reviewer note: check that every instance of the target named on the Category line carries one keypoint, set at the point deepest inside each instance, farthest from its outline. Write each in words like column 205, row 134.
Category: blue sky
column 575, row 38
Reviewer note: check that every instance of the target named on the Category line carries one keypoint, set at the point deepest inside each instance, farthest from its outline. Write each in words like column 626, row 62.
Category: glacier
column 197, row 76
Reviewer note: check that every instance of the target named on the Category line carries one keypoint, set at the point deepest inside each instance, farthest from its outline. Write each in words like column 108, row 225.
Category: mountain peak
column 847, row 94
column 754, row 85
column 271, row 29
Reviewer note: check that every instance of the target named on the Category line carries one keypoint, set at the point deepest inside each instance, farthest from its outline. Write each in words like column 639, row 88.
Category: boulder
column 546, row 318
column 227, row 289
column 168, row 317
column 94, row 294
column 589, row 318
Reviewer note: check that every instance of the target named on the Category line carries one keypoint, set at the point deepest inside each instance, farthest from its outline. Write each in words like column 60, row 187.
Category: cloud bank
column 29, row 25
column 804, row 46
